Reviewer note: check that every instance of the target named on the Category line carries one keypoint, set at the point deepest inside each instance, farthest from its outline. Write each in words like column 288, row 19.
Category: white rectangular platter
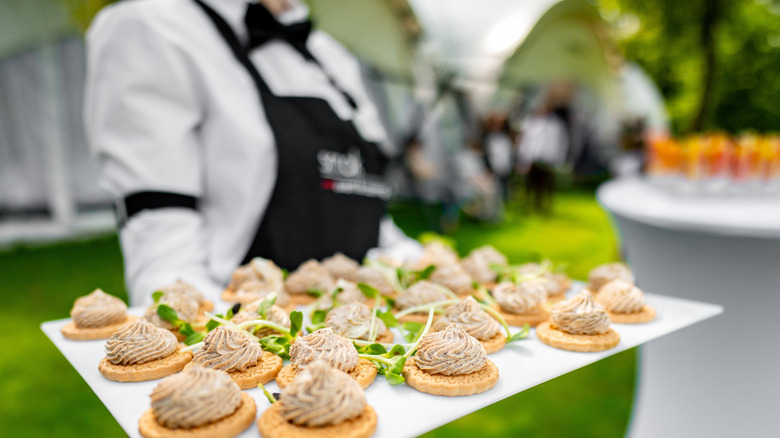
column 521, row 365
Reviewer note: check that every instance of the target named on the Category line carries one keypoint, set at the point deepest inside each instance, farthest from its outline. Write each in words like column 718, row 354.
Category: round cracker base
column 301, row 299
column 75, row 333
column 519, row 320
column 230, row 426
column 490, row 285
column 266, row 370
column 229, row 295
column 494, row 344
column 422, row 318
column 645, row 315
column 581, row 343
column 142, row 372
column 206, row 306
column 595, row 286
column 450, row 386
column 365, row 373
column 552, row 299
column 385, row 338
column 272, row 425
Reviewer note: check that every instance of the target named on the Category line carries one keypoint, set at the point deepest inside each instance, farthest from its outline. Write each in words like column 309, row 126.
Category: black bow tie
column 264, row 27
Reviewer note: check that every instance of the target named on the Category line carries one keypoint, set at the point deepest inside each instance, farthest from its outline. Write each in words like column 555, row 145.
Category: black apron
column 330, row 193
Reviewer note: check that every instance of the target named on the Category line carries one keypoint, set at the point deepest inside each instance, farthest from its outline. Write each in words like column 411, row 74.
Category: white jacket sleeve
column 142, row 112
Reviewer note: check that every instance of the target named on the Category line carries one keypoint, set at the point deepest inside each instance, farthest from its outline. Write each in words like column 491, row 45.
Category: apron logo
column 344, row 174
column 337, row 165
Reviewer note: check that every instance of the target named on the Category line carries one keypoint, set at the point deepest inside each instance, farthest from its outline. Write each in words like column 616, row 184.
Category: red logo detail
column 327, row 184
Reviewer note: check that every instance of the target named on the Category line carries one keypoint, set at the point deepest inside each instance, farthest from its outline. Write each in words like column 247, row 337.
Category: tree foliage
column 668, row 39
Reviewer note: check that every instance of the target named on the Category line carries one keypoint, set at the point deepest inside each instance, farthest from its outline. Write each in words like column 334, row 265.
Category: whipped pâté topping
column 228, row 349
column 479, row 263
column 179, row 296
column 354, row 321
column 139, row 342
column 453, row 277
column 195, row 397
column 309, row 276
column 557, row 282
column 451, row 352
column 274, row 314
column 341, row 267
column 437, row 254
column 258, row 269
column 525, row 298
column 603, row 274
column 376, row 278
column 324, row 344
column 580, row 315
column 98, row 309
column 321, row 396
column 422, row 292
column 470, row 316
column 348, row 292
column 620, row 296
column 253, row 290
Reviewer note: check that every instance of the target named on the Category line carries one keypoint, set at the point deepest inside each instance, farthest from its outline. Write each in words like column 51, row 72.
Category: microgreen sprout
column 408, row 277
column 268, row 395
column 412, row 330
column 278, row 344
column 388, row 272
column 509, row 336
column 262, row 309
column 371, row 292
column 512, row 273
column 212, row 324
column 483, row 295
column 191, row 336
column 424, row 307
column 266, row 304
column 390, row 363
column 315, row 292
column 317, row 320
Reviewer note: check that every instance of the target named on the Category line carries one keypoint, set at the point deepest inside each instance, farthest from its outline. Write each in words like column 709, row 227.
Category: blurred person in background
column 478, row 191
column 544, row 144
column 499, row 149
column 229, row 130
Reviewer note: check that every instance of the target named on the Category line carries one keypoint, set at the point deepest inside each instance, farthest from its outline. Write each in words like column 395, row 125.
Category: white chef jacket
column 169, row 108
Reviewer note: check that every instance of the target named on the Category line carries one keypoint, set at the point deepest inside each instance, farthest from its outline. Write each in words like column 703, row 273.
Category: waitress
column 229, row 130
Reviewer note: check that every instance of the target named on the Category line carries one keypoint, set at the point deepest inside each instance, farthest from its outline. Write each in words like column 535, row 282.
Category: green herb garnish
column 278, row 344
column 267, row 394
column 391, row 363
column 191, row 336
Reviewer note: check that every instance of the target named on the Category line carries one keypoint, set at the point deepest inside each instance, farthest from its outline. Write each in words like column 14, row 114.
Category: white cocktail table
column 720, row 378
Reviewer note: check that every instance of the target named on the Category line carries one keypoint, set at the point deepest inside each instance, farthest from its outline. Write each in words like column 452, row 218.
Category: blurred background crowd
column 484, row 103
column 498, row 110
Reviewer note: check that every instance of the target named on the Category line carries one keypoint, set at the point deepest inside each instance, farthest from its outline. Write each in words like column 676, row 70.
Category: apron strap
column 235, row 46
column 242, row 56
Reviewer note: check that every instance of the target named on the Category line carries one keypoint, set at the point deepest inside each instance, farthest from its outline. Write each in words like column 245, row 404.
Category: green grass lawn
column 43, row 396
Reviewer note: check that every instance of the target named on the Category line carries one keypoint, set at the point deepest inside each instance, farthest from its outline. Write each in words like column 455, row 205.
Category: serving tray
column 521, row 365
